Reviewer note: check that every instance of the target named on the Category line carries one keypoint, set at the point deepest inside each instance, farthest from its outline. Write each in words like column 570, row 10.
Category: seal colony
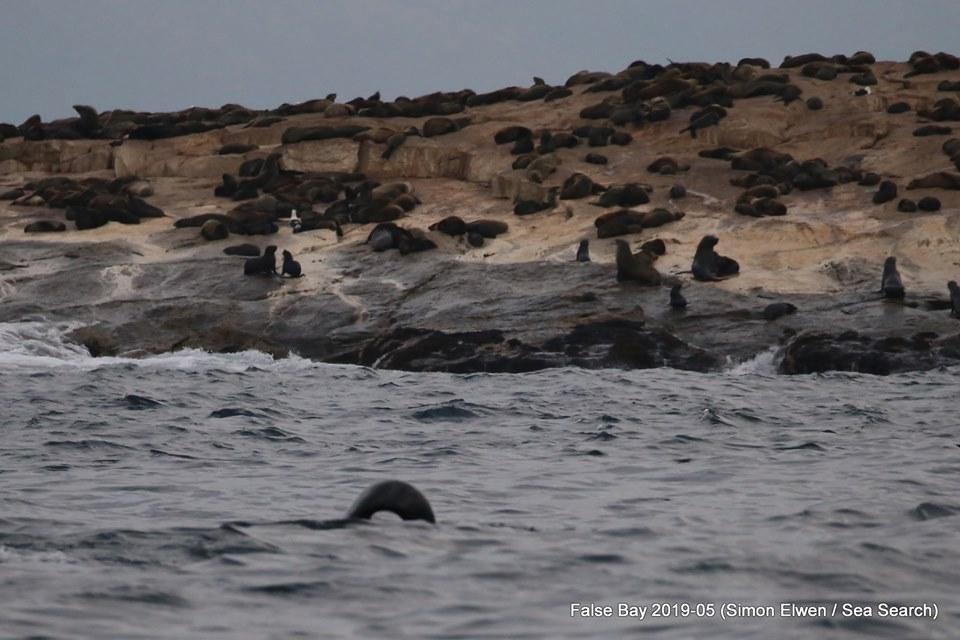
column 702, row 155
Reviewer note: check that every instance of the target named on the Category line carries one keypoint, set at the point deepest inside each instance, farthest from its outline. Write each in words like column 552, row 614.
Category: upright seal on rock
column 265, row 265
column 637, row 267
column 709, row 265
column 954, row 299
column 890, row 284
column 291, row 267
column 677, row 301
column 583, row 251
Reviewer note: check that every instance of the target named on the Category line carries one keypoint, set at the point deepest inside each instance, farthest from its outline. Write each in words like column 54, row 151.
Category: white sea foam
column 764, row 363
column 46, row 345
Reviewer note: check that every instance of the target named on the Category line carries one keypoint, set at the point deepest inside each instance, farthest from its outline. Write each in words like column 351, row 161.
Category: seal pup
column 295, row 223
column 890, row 284
column 583, row 251
column 954, row 299
column 709, row 265
column 265, row 265
column 290, row 267
column 637, row 267
column 677, row 301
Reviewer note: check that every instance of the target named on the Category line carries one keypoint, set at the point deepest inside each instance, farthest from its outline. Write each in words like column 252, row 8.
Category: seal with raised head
column 637, row 267
column 583, row 251
column 709, row 265
column 890, row 283
column 290, row 267
column 265, row 265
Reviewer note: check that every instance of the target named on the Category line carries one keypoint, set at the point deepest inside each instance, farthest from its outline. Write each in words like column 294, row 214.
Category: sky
column 164, row 55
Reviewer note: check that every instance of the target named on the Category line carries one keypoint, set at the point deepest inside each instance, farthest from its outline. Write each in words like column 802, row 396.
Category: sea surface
column 147, row 499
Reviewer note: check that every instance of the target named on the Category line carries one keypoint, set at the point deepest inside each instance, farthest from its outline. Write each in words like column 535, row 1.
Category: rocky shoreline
column 519, row 302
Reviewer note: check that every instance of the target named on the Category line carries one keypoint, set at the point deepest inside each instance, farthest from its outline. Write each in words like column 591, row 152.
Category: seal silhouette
column 265, row 265
column 290, row 266
column 890, row 283
column 954, row 299
column 583, row 251
column 677, row 301
column 709, row 265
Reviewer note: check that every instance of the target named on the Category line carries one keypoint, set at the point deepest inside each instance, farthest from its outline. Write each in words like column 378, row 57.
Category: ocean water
column 147, row 499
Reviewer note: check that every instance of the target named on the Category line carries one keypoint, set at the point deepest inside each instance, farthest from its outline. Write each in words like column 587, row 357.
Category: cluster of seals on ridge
column 293, row 194
column 89, row 203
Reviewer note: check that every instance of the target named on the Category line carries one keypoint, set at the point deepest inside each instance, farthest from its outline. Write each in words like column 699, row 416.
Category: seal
column 906, row 206
column 890, row 284
column 954, row 299
column 583, row 251
column 487, row 228
column 45, row 226
column 578, row 185
column 886, row 192
column 595, row 158
column 213, row 230
column 527, row 207
column 265, row 265
column 677, row 301
column 928, row 204
column 777, row 310
column 708, row 265
column 290, row 267
column 248, row 250
column 637, row 267
column 451, row 225
column 395, row 496
column 938, row 180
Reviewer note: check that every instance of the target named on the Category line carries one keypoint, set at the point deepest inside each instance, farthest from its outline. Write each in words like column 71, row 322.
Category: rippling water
column 118, row 478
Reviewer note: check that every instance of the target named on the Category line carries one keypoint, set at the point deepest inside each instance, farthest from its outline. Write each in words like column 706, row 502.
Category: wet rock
column 817, row 352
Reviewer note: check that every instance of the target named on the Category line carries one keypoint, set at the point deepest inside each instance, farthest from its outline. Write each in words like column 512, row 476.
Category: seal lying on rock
column 265, row 265
column 388, row 235
column 637, row 267
column 890, row 284
column 938, row 180
column 248, row 250
column 709, row 265
column 45, row 226
column 777, row 310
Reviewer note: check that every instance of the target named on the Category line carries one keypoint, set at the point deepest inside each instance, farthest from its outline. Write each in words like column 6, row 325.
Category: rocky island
column 441, row 233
